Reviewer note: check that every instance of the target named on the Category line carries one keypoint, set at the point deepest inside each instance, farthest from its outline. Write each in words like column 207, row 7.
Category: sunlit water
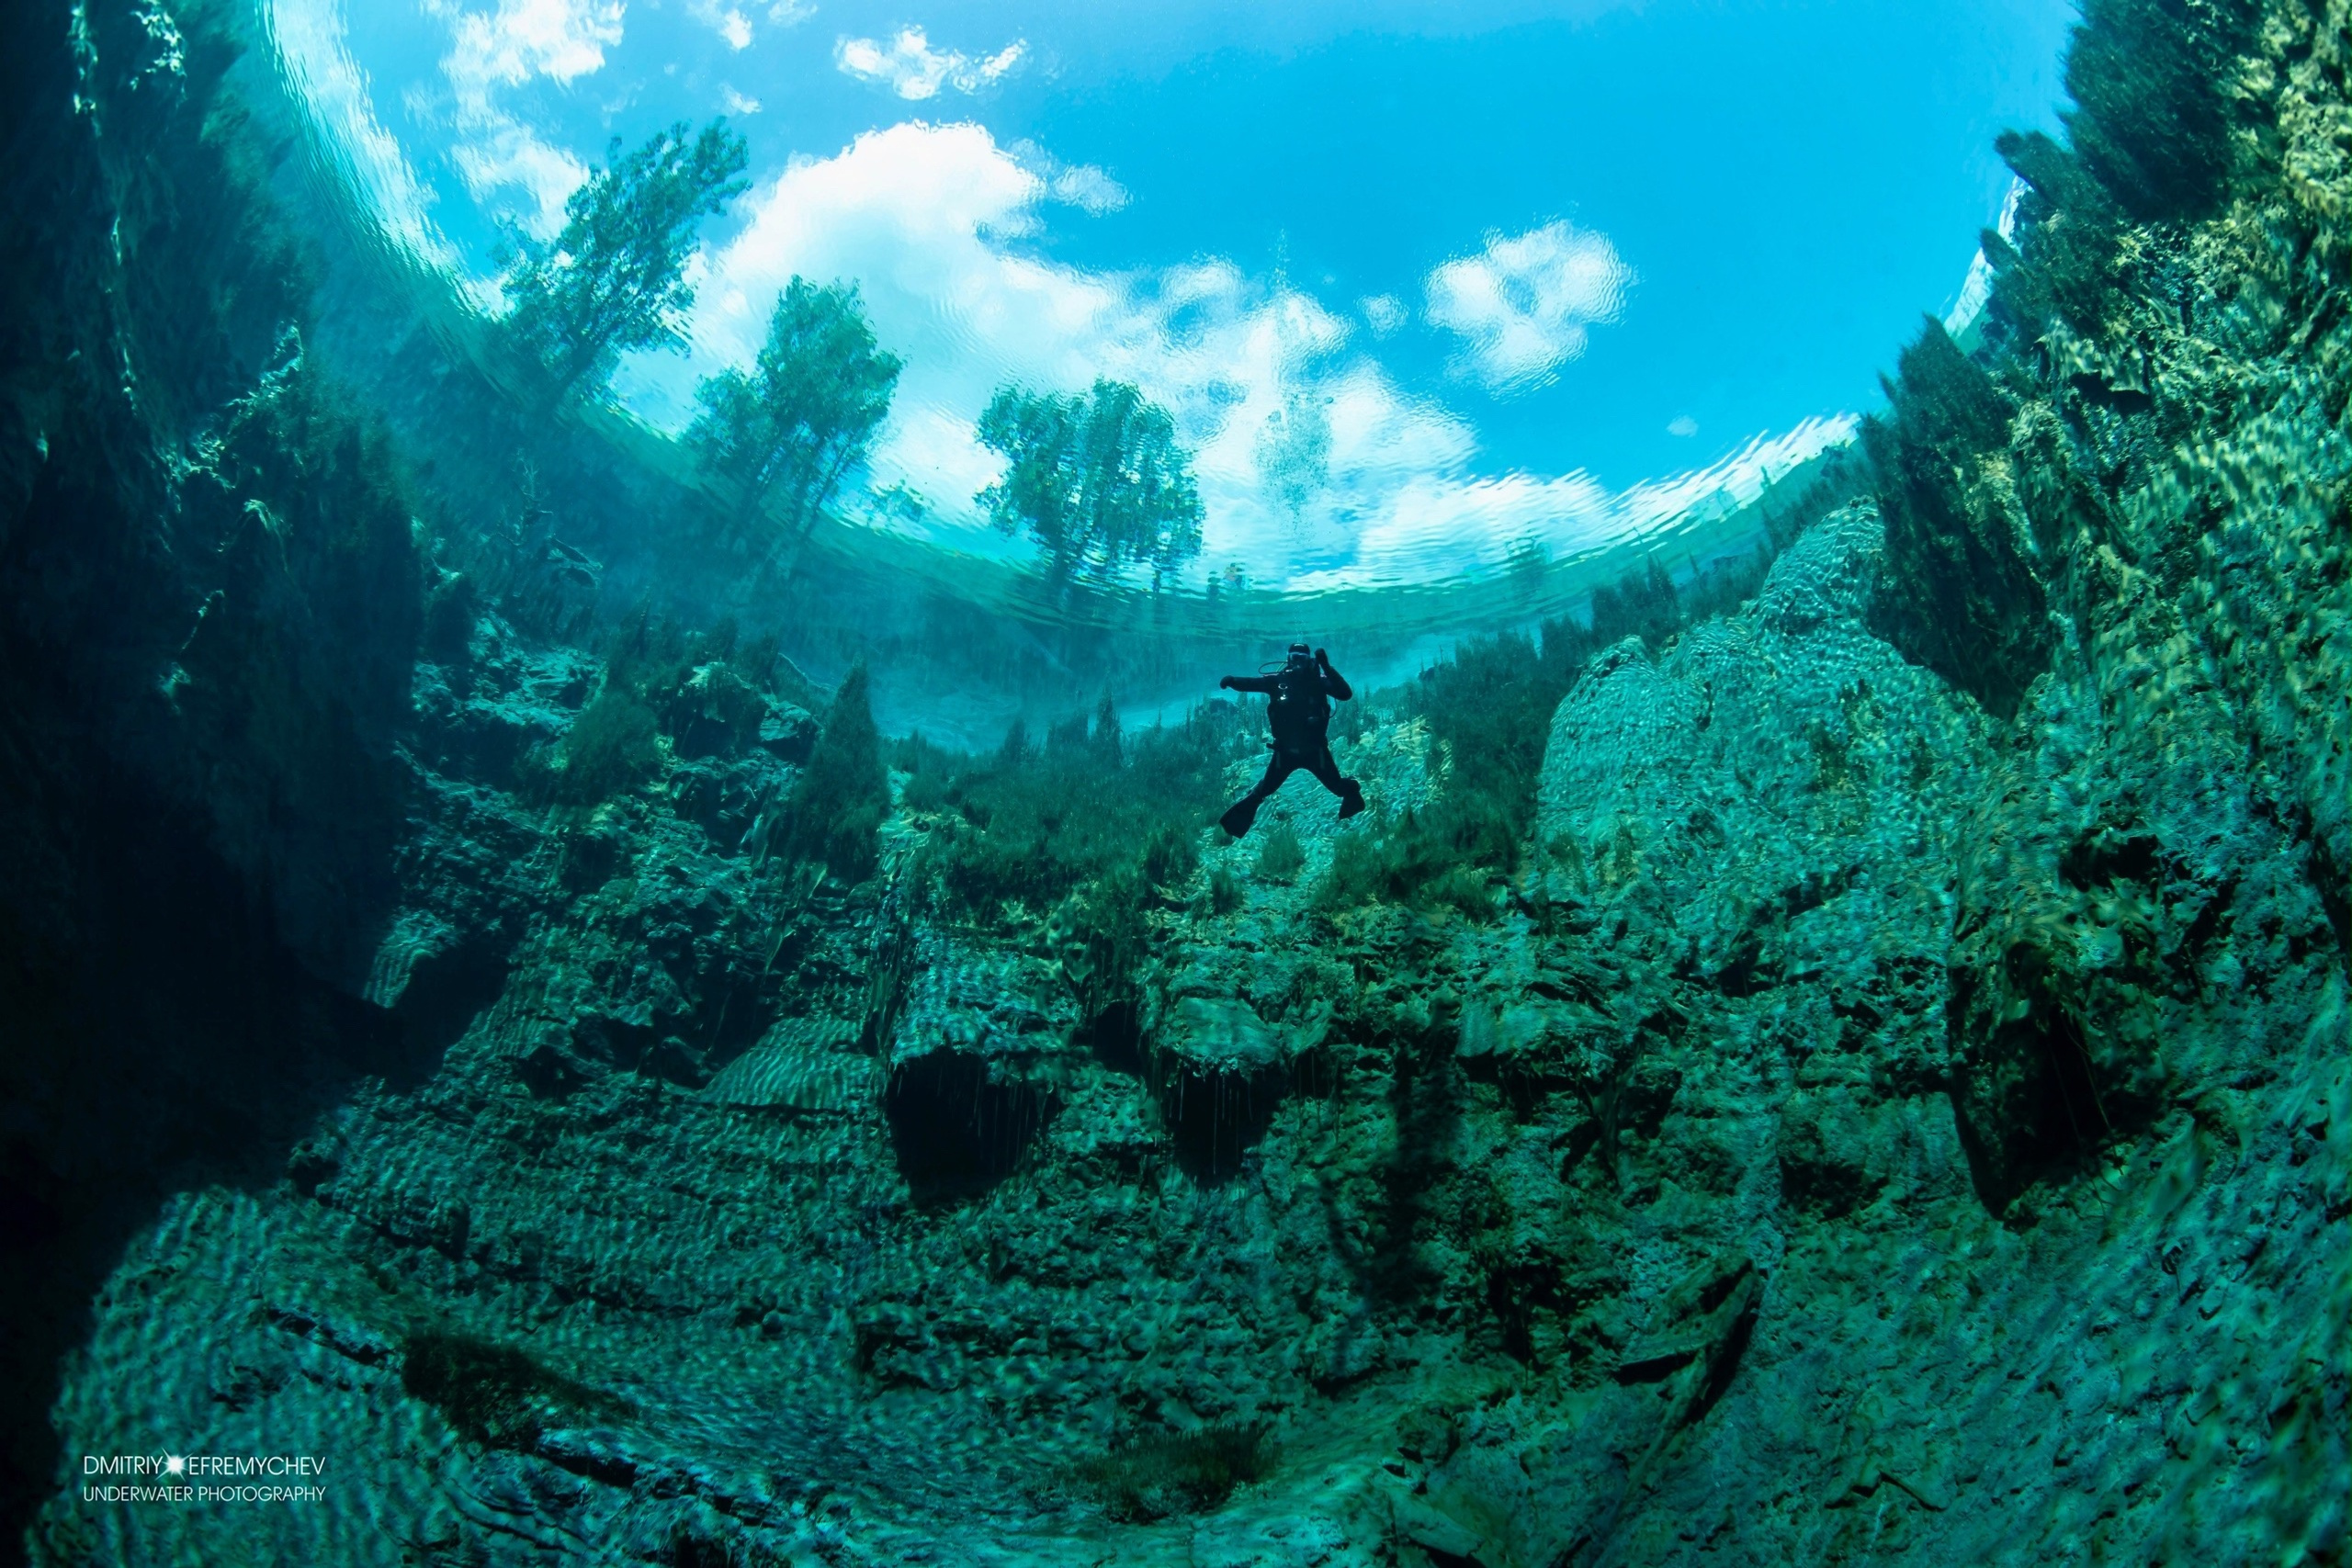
column 1345, row 441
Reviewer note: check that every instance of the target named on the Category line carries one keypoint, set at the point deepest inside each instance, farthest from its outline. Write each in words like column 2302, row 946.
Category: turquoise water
column 1437, row 374
column 1404, row 338
column 629, row 634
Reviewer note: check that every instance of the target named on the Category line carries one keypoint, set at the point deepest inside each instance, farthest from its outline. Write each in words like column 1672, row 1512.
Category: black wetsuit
column 1299, row 713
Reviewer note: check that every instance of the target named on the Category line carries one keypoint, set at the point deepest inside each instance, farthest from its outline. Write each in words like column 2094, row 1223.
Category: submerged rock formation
column 1892, row 1104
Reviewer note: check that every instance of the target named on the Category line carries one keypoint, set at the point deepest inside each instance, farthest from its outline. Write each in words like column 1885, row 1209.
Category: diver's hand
column 1323, row 659
column 1225, row 683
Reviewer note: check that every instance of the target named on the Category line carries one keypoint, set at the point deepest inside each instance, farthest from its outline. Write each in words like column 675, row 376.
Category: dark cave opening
column 1215, row 1118
column 1116, row 1035
column 960, row 1123
column 448, row 990
column 2032, row 1110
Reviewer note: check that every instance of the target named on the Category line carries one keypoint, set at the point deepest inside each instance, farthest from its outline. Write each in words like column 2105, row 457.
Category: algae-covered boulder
column 1773, row 792
column 788, row 732
column 1524, row 1031
column 1828, row 575
column 1001, row 1005
column 488, row 715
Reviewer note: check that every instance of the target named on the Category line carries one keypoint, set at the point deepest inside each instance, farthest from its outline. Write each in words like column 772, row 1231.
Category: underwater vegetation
column 1157, row 1475
column 1031, row 822
column 838, row 802
column 665, row 694
column 2159, row 133
column 2155, row 108
column 614, row 277
column 1834, row 1054
column 612, row 747
column 1091, row 831
column 1975, row 611
column 1280, row 858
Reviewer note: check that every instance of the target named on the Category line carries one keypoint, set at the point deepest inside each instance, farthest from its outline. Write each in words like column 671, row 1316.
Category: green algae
column 1031, row 824
column 612, row 747
column 1279, row 857
column 1155, row 1475
column 838, row 801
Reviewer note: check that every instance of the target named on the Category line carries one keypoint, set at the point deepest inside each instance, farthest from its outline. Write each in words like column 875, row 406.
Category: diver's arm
column 1333, row 681
column 1263, row 684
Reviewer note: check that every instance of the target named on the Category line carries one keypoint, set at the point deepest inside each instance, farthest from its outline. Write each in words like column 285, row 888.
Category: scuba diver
column 1299, row 712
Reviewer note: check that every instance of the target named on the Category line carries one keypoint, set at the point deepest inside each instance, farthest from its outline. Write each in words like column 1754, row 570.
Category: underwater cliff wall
column 1855, row 1074
column 211, row 599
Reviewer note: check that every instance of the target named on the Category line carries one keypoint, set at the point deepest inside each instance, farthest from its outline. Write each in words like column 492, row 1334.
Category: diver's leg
column 1243, row 812
column 1326, row 769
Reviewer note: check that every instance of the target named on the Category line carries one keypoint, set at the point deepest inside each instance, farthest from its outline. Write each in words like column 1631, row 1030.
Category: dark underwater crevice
column 2029, row 1108
column 1214, row 1117
column 1116, row 1038
column 207, row 628
column 960, row 1125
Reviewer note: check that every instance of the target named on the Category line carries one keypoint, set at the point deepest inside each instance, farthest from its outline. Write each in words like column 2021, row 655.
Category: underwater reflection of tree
column 784, row 435
column 1097, row 478
column 614, row 279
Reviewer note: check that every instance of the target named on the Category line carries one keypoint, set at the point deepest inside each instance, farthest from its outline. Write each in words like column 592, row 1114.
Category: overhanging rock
column 1220, row 1068
column 974, row 1068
